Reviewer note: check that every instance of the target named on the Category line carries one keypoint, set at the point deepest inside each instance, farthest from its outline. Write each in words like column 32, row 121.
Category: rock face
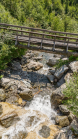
column 74, row 66
column 64, row 109
column 2, row 95
column 59, row 72
column 52, row 61
column 62, row 121
column 51, row 78
column 45, row 131
column 16, row 66
column 8, row 119
column 57, row 97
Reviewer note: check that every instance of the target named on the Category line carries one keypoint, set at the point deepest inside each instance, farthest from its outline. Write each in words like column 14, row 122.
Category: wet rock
column 8, row 119
column 20, row 135
column 2, row 95
column 61, row 82
column 29, row 55
column 74, row 127
column 45, row 131
column 26, row 94
column 1, row 109
column 52, row 61
column 34, row 65
column 71, row 117
column 32, row 120
column 16, row 100
column 74, row 66
column 64, row 109
column 62, row 121
column 59, row 72
column 51, row 78
column 16, row 66
column 57, row 97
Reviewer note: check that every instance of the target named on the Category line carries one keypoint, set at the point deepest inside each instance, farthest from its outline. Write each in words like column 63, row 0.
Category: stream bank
column 28, row 99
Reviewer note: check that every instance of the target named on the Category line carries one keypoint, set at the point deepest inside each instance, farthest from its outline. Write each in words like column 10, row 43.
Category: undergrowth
column 71, row 92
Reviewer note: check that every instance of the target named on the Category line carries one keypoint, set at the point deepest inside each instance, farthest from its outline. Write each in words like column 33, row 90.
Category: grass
column 71, row 92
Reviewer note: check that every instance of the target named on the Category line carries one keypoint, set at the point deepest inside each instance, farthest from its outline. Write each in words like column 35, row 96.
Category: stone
column 59, row 72
column 62, row 121
column 74, row 127
column 67, row 77
column 74, row 66
column 34, row 65
column 32, row 120
column 26, row 94
column 61, row 135
column 16, row 100
column 61, row 81
column 64, row 109
column 51, row 78
column 8, row 119
column 53, row 61
column 4, row 81
column 2, row 95
column 16, row 66
column 45, row 131
column 1, row 109
column 71, row 117
column 23, row 60
column 20, row 135
column 57, row 97
column 52, row 70
column 37, row 58
column 65, row 59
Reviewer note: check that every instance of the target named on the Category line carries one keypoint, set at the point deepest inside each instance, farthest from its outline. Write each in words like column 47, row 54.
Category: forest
column 61, row 15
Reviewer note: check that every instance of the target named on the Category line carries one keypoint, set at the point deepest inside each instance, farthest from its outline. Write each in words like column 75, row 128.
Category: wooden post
column 16, row 42
column 67, row 46
column 29, row 40
column 42, row 41
column 54, row 44
column 21, row 32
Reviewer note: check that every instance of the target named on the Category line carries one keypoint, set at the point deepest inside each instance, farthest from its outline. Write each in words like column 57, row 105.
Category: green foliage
column 8, row 51
column 71, row 92
column 65, row 62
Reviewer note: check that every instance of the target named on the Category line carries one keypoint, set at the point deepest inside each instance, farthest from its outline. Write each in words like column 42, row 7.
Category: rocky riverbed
column 31, row 96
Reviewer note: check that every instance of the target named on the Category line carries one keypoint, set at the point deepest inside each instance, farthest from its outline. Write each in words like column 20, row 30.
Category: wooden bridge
column 42, row 39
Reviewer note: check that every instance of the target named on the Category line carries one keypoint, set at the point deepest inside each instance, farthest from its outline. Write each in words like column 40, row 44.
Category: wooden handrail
column 44, row 30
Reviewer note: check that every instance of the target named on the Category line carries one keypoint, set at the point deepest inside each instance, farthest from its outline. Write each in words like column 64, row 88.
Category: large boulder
column 51, row 78
column 74, row 66
column 16, row 66
column 67, row 77
column 59, row 72
column 45, row 131
column 4, row 81
column 26, row 94
column 57, row 97
column 62, row 121
column 53, row 61
column 2, row 95
column 64, row 109
column 34, row 65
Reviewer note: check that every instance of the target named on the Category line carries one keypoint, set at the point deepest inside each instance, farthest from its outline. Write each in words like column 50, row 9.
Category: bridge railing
column 42, row 34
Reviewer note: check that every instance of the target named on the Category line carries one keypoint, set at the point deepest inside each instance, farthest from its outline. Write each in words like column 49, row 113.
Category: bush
column 71, row 92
